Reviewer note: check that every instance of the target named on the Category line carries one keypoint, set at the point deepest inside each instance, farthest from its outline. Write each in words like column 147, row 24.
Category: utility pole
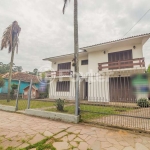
column 76, row 57
column 29, row 95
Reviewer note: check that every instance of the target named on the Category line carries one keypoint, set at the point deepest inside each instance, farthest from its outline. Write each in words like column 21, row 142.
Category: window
column 64, row 66
column 120, row 56
column 63, row 86
column 84, row 62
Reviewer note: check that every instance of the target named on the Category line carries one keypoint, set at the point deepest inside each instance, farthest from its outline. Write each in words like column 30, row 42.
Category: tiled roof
column 34, row 87
column 22, row 76
column 131, row 37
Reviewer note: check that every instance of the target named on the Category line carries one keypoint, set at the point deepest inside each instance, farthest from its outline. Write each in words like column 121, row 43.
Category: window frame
column 63, row 86
column 64, row 66
column 84, row 62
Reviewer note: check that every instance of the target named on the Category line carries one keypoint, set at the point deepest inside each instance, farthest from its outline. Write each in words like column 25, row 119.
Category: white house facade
column 105, row 71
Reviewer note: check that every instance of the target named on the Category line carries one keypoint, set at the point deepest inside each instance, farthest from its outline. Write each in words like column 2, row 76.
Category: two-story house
column 105, row 71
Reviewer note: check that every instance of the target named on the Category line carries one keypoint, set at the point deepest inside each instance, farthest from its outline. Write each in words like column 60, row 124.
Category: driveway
column 140, row 119
column 19, row 131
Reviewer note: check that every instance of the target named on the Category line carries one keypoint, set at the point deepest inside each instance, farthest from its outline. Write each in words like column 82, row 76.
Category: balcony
column 138, row 62
column 60, row 73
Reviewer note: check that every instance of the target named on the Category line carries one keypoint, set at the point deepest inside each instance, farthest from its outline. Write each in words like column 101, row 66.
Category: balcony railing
column 59, row 73
column 122, row 64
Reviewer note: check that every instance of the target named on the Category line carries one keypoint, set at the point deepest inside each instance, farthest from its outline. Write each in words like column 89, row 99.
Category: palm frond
column 65, row 4
column 8, row 35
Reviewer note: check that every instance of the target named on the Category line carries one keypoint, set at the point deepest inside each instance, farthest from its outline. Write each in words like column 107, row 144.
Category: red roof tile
column 22, row 76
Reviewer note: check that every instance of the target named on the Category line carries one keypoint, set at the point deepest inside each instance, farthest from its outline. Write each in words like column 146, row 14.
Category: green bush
column 43, row 95
column 143, row 102
column 59, row 103
column 13, row 91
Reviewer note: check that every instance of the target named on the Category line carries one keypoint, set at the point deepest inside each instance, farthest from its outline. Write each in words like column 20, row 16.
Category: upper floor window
column 119, row 56
column 84, row 62
column 124, row 57
column 64, row 66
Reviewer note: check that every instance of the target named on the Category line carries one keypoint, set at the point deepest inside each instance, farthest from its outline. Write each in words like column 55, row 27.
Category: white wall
column 83, row 69
column 99, row 56
column 98, row 89
column 53, row 94
column 70, row 95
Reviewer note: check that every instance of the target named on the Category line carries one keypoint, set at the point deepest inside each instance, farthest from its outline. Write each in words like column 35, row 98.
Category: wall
column 100, row 57
column 82, row 68
column 53, row 94
column 25, row 95
column 22, row 85
column 98, row 89
column 70, row 95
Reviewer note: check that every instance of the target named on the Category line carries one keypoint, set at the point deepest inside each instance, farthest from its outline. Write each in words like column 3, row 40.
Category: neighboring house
column 25, row 79
column 114, row 57
column 1, row 88
column 34, row 92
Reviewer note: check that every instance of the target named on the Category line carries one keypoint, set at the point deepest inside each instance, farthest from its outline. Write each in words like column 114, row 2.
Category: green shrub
column 143, row 102
column 43, row 95
column 13, row 92
column 59, row 103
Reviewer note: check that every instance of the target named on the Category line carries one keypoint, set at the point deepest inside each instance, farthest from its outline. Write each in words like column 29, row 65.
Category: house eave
column 139, row 39
column 71, row 56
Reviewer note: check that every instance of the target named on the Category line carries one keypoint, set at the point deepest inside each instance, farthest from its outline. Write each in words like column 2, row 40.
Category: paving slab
column 18, row 130
column 37, row 138
column 61, row 145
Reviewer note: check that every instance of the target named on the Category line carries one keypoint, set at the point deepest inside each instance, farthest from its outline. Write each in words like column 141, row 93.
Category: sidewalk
column 19, row 131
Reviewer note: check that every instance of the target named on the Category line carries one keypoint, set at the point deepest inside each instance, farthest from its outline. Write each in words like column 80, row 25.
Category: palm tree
column 76, row 50
column 10, row 39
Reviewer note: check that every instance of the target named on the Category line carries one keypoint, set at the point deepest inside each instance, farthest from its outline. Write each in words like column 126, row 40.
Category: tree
column 148, row 69
column 76, row 52
column 17, row 69
column 1, row 64
column 4, row 68
column 35, row 71
column 10, row 39
column 1, row 82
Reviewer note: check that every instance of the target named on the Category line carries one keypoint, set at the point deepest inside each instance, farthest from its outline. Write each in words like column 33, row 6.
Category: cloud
column 47, row 32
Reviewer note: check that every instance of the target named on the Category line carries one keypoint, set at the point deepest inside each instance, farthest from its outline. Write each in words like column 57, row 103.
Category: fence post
column 29, row 95
column 17, row 95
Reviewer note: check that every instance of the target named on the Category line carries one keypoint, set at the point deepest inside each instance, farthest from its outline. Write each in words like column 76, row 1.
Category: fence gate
column 111, row 102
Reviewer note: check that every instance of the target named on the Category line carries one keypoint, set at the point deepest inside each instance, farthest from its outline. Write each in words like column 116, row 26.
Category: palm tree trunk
column 76, row 55
column 11, row 65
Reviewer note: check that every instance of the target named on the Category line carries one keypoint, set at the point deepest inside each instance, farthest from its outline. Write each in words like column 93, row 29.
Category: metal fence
column 106, row 98
column 113, row 102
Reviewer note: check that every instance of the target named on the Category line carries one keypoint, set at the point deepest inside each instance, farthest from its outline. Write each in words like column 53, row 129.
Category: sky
column 46, row 32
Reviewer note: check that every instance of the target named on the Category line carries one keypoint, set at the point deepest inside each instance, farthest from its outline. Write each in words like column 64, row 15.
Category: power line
column 137, row 22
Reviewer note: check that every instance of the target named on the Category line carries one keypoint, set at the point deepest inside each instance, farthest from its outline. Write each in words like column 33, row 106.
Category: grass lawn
column 100, row 111
column 22, row 104
column 87, row 111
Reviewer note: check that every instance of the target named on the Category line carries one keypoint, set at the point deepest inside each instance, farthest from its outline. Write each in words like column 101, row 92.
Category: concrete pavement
column 19, row 131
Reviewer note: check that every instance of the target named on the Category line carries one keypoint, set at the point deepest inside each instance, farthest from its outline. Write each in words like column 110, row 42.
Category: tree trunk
column 76, row 55
column 11, row 65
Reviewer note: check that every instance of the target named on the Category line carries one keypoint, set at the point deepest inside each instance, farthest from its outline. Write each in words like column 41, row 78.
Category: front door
column 120, row 90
